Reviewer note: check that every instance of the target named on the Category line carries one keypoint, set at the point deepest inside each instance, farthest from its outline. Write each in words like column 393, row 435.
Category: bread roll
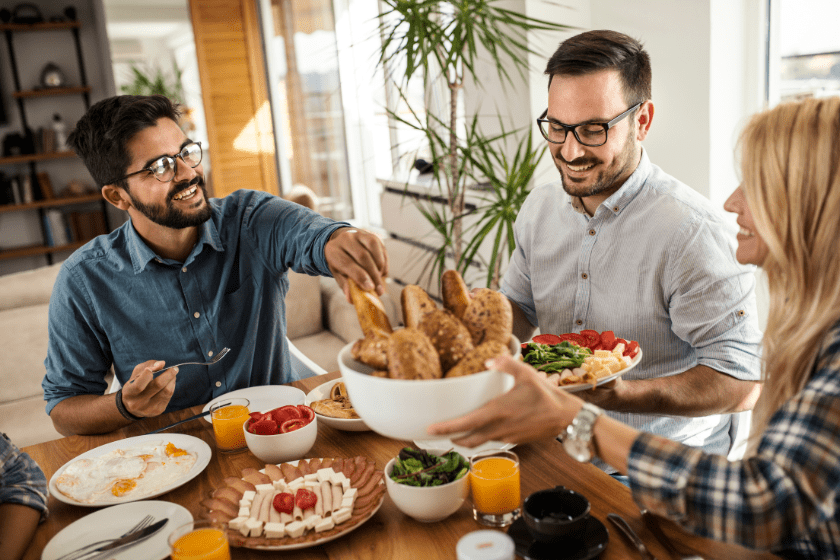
column 456, row 296
column 369, row 309
column 415, row 303
column 411, row 355
column 372, row 350
column 449, row 336
column 489, row 317
column 474, row 361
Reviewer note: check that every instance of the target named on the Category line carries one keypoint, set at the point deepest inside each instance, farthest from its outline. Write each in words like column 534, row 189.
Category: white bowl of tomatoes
column 283, row 434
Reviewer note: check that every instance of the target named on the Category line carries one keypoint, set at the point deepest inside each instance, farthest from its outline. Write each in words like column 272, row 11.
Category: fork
column 215, row 359
column 142, row 524
column 653, row 525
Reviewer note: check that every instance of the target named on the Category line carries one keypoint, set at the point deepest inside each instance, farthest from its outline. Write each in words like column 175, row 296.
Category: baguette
column 370, row 311
column 456, row 296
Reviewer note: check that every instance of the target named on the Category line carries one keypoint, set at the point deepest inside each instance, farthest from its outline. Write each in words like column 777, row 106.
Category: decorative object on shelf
column 52, row 76
column 76, row 188
column 45, row 184
column 17, row 144
column 70, row 12
column 60, row 130
column 5, row 15
column 27, row 13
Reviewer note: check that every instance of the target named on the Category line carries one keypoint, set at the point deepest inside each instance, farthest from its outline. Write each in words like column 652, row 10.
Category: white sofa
column 319, row 323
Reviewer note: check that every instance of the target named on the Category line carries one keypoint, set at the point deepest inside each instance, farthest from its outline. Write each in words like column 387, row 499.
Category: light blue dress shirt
column 655, row 264
column 116, row 302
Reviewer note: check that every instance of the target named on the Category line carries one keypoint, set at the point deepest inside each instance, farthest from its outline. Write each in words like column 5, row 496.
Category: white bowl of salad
column 428, row 485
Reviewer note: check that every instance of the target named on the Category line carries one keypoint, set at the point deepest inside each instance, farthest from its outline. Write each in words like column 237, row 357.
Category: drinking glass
column 494, row 483
column 200, row 540
column 228, row 420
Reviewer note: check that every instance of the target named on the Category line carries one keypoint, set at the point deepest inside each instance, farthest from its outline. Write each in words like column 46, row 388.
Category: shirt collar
column 628, row 191
column 142, row 254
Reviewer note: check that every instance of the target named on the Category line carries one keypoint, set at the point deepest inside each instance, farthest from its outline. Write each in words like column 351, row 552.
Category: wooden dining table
column 389, row 534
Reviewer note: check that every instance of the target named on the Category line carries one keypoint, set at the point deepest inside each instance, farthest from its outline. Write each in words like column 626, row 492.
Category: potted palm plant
column 444, row 42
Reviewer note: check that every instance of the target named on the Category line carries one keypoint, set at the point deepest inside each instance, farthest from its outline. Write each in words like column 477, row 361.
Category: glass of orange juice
column 228, row 417
column 200, row 540
column 494, row 484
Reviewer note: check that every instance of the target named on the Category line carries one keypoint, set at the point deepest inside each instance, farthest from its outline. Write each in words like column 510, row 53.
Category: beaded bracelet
column 123, row 410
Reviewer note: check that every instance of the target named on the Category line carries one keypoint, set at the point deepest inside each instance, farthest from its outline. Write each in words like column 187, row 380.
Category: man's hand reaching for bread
column 360, row 255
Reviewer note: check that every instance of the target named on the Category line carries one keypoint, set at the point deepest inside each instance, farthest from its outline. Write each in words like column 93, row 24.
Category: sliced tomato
column 305, row 499
column 608, row 340
column 265, row 427
column 593, row 338
column 547, row 339
column 292, row 425
column 284, row 502
column 631, row 349
column 308, row 413
column 284, row 413
column 573, row 338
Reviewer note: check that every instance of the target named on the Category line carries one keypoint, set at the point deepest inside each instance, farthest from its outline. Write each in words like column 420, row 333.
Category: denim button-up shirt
column 655, row 264
column 115, row 302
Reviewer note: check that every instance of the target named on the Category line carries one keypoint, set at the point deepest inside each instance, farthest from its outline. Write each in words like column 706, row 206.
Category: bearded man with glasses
column 617, row 244
column 184, row 277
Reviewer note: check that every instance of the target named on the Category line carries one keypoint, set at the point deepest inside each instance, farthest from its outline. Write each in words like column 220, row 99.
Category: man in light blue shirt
column 617, row 244
column 185, row 277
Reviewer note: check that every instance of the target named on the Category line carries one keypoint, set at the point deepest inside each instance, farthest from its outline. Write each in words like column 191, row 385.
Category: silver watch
column 578, row 439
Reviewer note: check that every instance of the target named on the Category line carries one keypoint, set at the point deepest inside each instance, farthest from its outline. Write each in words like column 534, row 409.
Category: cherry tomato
column 307, row 412
column 284, row 502
column 283, row 413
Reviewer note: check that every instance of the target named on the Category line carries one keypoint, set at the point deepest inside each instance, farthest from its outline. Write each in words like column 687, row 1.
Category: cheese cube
column 274, row 530
column 249, row 495
column 311, row 476
column 244, row 503
column 351, row 493
column 342, row 515
column 311, row 521
column 602, row 353
column 294, row 529
column 336, row 477
column 264, row 488
column 619, row 348
column 324, row 474
column 347, row 502
column 244, row 511
column 324, row 525
column 345, row 484
column 253, row 526
column 237, row 522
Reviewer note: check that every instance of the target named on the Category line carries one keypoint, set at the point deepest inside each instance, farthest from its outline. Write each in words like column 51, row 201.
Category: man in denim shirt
column 619, row 245
column 183, row 278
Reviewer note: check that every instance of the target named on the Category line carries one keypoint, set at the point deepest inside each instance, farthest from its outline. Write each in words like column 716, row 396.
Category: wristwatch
column 578, row 440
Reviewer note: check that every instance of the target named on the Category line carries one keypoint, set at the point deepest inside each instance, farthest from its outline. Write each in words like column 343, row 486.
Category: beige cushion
column 29, row 287
column 322, row 348
column 26, row 422
column 23, row 338
column 303, row 306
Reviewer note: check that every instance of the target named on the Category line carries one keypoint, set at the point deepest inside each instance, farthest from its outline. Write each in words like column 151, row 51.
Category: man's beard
column 169, row 216
column 623, row 167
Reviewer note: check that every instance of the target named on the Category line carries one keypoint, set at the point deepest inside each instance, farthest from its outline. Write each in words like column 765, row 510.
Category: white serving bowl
column 431, row 503
column 403, row 409
column 281, row 448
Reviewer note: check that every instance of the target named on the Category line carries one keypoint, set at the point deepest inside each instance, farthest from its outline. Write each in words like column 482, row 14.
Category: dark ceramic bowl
column 555, row 514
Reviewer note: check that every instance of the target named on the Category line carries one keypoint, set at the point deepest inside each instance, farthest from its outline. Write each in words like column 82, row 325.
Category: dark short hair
column 101, row 135
column 603, row 49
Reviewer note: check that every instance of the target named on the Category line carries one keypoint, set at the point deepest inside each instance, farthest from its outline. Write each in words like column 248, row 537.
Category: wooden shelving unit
column 26, row 158
column 65, row 201
column 35, row 250
column 49, row 92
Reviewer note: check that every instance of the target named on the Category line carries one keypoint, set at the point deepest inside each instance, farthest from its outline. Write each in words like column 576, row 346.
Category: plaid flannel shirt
column 21, row 479
column 784, row 499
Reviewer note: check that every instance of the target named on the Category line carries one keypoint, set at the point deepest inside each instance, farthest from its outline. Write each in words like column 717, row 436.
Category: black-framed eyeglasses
column 164, row 167
column 588, row 134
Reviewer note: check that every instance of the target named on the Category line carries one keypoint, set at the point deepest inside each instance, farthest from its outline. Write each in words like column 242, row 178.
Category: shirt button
column 584, row 276
column 196, row 314
column 615, row 208
column 591, row 232
column 578, row 322
column 218, row 383
column 741, row 312
column 210, row 354
column 184, row 269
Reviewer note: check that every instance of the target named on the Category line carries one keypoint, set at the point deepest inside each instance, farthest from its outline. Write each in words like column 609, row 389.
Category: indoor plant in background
column 153, row 81
column 443, row 42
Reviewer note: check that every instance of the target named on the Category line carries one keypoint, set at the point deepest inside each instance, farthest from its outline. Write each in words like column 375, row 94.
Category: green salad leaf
column 418, row 467
column 554, row 358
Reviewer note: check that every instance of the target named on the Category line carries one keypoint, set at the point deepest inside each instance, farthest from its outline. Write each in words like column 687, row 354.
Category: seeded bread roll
column 372, row 350
column 449, row 336
column 489, row 317
column 411, row 355
column 474, row 361
column 456, row 296
column 415, row 303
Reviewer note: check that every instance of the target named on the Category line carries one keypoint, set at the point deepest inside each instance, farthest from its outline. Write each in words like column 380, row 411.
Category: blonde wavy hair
column 790, row 160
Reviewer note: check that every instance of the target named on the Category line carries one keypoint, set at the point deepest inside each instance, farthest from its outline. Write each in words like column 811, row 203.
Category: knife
column 631, row 535
column 128, row 540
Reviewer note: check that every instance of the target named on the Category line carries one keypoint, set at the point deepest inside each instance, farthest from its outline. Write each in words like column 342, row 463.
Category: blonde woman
column 785, row 495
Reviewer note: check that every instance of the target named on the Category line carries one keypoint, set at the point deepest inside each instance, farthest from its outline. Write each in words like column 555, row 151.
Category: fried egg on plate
column 123, row 474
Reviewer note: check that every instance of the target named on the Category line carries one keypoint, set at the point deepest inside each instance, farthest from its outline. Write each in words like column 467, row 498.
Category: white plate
column 261, row 398
column 113, row 522
column 584, row 386
column 321, row 392
column 467, row 452
column 188, row 443
column 322, row 540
